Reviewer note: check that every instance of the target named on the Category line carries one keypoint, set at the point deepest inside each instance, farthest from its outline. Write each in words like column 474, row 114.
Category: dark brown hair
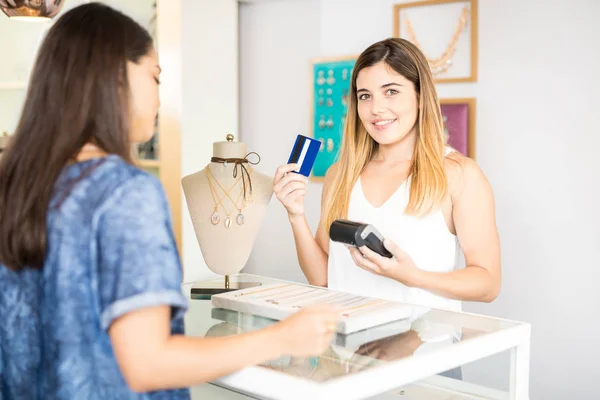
column 78, row 93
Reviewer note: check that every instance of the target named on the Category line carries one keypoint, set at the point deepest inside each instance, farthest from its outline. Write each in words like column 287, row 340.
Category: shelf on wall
column 13, row 85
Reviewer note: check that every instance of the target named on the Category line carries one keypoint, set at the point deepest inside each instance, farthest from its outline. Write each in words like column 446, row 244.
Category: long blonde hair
column 429, row 183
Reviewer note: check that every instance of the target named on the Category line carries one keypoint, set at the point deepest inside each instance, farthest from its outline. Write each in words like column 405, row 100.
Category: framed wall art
column 330, row 83
column 446, row 32
column 459, row 124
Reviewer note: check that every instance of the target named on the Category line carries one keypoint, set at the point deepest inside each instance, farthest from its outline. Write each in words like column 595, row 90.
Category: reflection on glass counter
column 358, row 351
column 429, row 346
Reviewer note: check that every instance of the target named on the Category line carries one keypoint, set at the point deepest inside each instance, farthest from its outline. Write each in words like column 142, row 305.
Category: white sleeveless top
column 426, row 240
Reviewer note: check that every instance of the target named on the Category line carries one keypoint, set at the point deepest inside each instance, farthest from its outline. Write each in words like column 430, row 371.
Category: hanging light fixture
column 36, row 10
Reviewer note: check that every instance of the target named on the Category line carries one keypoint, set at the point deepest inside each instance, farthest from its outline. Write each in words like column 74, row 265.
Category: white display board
column 280, row 300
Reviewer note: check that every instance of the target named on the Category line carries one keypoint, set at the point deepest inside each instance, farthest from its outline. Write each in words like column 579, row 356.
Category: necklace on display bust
column 215, row 218
column 238, row 163
column 245, row 190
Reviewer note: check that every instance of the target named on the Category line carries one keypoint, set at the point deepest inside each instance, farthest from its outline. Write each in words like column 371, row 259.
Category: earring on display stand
column 321, row 78
column 330, row 122
column 329, row 145
column 322, row 122
column 330, row 77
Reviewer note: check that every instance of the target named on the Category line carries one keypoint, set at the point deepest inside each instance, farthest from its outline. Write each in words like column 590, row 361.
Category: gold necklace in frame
column 444, row 62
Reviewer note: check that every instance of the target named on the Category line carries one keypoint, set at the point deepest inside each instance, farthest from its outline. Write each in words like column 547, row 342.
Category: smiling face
column 387, row 103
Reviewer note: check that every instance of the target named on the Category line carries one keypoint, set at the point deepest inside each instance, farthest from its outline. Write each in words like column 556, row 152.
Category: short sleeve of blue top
column 110, row 251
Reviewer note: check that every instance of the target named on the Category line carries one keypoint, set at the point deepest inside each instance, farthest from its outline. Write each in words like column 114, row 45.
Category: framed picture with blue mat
column 330, row 83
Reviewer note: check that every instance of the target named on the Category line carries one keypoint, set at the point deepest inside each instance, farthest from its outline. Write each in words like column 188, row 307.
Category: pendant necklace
column 215, row 217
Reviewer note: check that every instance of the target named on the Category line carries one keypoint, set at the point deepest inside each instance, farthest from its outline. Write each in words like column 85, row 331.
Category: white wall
column 538, row 82
column 537, row 95
column 277, row 40
column 210, row 99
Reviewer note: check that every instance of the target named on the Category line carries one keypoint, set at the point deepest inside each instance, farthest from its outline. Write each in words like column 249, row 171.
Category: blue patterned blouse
column 110, row 251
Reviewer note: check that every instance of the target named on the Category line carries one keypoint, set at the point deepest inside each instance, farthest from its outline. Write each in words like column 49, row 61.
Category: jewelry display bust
column 227, row 201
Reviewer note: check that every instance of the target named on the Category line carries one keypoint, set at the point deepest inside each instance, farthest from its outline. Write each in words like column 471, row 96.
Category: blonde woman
column 396, row 172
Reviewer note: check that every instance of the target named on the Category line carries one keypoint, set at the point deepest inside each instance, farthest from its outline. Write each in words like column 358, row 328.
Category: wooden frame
column 316, row 63
column 470, row 136
column 472, row 28
column 168, row 20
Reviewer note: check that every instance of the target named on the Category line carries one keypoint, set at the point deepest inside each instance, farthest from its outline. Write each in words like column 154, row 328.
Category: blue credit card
column 304, row 153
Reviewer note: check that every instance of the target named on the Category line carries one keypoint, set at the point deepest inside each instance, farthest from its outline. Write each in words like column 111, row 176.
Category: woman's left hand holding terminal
column 400, row 267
